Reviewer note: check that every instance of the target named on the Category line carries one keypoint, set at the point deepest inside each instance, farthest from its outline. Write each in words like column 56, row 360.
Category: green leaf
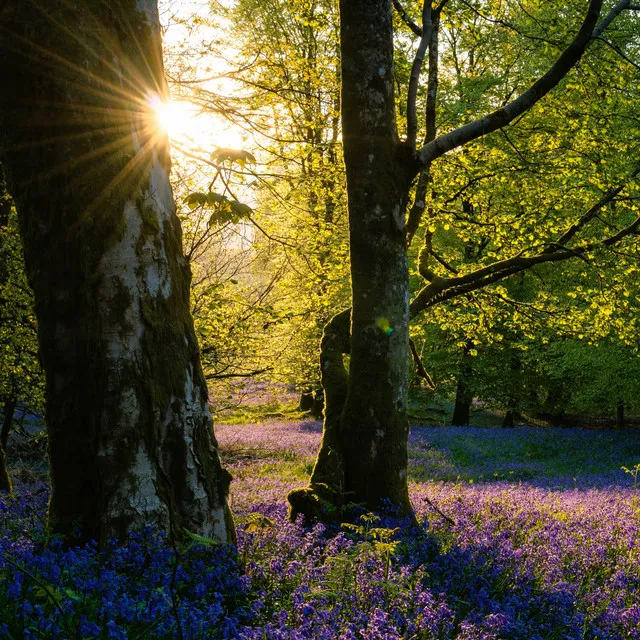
column 197, row 199
column 209, row 542
column 240, row 209
column 240, row 156
column 220, row 217
column 216, row 198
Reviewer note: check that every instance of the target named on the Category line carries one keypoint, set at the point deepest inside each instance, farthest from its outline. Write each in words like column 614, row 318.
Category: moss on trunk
column 324, row 497
column 130, row 434
column 363, row 458
column 8, row 410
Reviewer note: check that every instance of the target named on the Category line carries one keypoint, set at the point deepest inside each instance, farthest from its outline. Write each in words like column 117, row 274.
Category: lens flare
column 174, row 117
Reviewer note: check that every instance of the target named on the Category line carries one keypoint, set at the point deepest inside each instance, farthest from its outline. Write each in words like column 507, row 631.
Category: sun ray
column 176, row 118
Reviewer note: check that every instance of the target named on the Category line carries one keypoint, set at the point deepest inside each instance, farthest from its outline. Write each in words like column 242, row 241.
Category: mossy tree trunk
column 9, row 404
column 312, row 401
column 9, row 407
column 130, row 434
column 324, row 496
column 374, row 423
column 364, row 451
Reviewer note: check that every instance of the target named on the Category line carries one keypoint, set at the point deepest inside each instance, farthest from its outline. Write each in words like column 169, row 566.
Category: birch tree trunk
column 130, row 434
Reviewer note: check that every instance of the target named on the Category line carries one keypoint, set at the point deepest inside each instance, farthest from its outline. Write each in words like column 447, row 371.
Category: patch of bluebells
column 143, row 589
column 487, row 561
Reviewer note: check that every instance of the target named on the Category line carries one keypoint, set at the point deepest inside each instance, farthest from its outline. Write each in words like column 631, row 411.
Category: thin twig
column 439, row 512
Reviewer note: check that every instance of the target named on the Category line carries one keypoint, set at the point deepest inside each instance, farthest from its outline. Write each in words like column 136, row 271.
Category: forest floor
column 529, row 533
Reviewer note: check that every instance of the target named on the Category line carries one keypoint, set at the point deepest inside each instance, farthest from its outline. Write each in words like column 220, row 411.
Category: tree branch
column 592, row 212
column 502, row 117
column 448, row 288
column 419, row 202
column 414, row 78
column 247, row 374
column 422, row 372
column 610, row 17
column 620, row 52
column 406, row 18
column 439, row 288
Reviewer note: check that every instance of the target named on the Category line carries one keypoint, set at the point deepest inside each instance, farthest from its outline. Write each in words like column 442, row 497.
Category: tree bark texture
column 363, row 456
column 312, row 401
column 374, row 423
column 324, row 497
column 131, row 441
column 9, row 409
column 620, row 423
column 5, row 479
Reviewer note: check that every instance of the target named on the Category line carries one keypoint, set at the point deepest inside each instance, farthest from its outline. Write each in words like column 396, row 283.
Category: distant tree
column 130, row 434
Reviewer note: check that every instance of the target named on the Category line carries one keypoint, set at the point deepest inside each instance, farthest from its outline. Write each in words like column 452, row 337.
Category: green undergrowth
column 256, row 413
column 259, row 462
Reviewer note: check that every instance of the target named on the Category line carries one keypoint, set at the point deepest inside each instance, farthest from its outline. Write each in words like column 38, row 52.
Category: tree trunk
column 510, row 418
column 620, row 414
column 312, row 400
column 5, row 203
column 324, row 496
column 317, row 409
column 9, row 409
column 555, row 403
column 130, row 434
column 7, row 421
column 379, row 170
column 368, row 441
column 514, row 391
column 464, row 392
column 5, row 479
column 306, row 400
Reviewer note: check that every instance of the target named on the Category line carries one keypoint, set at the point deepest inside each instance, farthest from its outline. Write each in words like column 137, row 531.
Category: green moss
column 5, row 479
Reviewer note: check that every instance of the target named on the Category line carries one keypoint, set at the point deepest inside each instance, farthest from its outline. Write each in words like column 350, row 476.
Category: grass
column 546, row 457
column 543, row 456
